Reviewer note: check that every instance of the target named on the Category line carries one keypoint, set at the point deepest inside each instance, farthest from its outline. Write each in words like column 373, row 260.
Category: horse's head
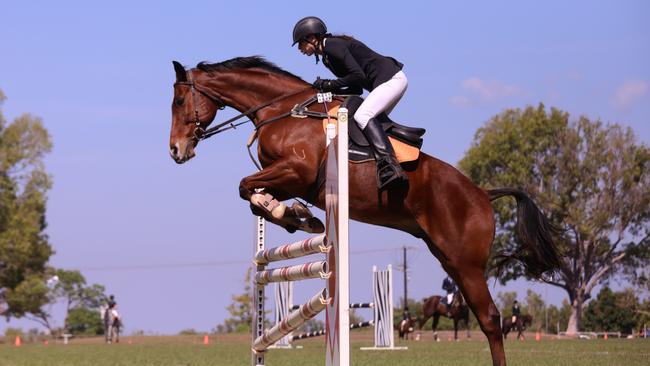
column 192, row 111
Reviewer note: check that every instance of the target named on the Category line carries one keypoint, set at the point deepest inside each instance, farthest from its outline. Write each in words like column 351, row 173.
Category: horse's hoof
column 316, row 225
column 312, row 226
column 301, row 211
column 291, row 229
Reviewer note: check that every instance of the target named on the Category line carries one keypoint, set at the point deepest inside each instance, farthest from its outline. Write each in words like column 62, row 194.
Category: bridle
column 201, row 133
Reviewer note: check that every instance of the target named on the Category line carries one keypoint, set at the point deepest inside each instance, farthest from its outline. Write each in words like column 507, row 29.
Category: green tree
column 505, row 301
column 612, row 311
column 84, row 321
column 24, row 247
column 590, row 179
column 558, row 318
column 241, row 309
column 71, row 287
column 536, row 307
column 82, row 302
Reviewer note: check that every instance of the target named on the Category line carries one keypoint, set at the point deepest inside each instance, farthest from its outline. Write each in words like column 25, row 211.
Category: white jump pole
column 335, row 298
column 258, row 294
column 337, row 313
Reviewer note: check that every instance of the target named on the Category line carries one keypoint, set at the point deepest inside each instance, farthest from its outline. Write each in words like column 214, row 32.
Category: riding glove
column 325, row 85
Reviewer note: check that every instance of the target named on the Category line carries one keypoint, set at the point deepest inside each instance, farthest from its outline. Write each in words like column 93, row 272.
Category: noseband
column 201, row 133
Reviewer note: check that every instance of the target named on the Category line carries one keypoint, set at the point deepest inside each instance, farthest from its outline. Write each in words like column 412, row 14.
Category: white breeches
column 382, row 99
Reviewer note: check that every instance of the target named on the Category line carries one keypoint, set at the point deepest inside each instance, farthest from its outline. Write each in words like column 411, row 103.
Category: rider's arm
column 354, row 75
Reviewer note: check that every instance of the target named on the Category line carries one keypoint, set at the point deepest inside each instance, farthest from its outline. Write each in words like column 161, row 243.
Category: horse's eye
column 179, row 102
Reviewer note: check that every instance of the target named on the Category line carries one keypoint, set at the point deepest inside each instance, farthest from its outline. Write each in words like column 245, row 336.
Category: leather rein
column 201, row 133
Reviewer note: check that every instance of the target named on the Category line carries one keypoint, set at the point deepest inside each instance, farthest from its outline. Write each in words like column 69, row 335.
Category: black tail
column 536, row 250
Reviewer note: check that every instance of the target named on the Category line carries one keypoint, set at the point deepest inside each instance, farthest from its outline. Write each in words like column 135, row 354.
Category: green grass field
column 234, row 350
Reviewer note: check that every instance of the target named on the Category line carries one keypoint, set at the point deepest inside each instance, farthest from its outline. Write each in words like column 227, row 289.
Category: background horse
column 112, row 324
column 520, row 325
column 440, row 205
column 434, row 307
column 405, row 328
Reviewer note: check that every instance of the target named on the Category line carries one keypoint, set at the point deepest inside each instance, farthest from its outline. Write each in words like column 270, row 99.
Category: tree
column 80, row 300
column 240, row 310
column 24, row 247
column 505, row 300
column 71, row 287
column 592, row 180
column 558, row 318
column 613, row 311
column 536, row 307
column 84, row 321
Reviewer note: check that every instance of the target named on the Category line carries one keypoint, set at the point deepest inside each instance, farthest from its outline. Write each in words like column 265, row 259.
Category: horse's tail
column 536, row 250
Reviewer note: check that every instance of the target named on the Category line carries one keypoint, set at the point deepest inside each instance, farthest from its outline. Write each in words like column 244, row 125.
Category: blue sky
column 162, row 236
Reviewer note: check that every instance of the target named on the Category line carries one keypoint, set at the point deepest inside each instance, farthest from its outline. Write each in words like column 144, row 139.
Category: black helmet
column 307, row 26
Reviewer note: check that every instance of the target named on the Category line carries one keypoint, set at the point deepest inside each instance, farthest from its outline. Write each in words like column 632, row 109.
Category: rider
column 113, row 320
column 516, row 311
column 104, row 310
column 356, row 67
column 449, row 286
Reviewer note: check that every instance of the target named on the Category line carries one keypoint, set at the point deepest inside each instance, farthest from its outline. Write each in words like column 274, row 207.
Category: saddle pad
column 403, row 152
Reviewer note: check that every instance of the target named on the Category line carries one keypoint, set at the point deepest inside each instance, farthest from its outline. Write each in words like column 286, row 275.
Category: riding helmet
column 307, row 26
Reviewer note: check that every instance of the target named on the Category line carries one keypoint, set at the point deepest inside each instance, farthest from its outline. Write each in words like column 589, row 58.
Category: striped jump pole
column 337, row 312
column 382, row 313
column 335, row 269
column 382, row 282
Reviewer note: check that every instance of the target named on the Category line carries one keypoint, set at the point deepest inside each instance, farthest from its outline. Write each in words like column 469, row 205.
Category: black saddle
column 359, row 147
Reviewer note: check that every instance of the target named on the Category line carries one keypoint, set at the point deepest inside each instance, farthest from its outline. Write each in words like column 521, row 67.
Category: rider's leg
column 383, row 98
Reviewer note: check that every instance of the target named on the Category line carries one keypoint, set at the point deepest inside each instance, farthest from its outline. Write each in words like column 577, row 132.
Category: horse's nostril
column 173, row 150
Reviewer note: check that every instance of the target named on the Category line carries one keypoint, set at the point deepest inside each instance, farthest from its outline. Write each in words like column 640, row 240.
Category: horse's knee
column 244, row 192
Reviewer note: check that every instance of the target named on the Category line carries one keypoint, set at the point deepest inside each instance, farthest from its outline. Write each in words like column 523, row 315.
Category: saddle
column 406, row 141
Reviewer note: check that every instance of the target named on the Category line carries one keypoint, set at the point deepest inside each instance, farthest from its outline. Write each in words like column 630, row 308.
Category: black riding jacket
column 515, row 310
column 356, row 65
column 449, row 285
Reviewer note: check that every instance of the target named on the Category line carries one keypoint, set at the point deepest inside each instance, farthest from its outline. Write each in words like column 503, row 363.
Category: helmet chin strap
column 317, row 46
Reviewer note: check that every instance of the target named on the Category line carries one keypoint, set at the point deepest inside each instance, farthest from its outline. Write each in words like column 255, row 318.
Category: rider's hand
column 323, row 84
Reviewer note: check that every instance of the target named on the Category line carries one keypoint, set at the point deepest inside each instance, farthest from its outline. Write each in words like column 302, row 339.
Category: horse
column 405, row 328
column 112, row 325
column 434, row 307
column 439, row 205
column 520, row 325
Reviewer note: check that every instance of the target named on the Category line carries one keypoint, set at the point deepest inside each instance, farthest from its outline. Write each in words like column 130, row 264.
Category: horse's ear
column 181, row 74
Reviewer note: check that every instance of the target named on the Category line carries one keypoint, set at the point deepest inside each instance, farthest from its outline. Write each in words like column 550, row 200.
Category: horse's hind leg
column 475, row 289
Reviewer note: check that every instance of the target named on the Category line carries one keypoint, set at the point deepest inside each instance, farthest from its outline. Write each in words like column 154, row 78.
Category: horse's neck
column 247, row 89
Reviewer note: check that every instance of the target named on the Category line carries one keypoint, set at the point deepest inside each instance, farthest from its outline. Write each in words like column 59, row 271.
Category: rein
column 201, row 134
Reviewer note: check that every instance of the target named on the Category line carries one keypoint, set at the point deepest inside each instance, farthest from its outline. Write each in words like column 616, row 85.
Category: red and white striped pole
column 337, row 316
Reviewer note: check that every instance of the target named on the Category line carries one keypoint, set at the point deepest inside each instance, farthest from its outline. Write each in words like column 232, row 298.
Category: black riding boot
column 388, row 169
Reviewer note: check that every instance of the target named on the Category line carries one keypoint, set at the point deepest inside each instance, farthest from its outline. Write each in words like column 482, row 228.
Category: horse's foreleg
column 283, row 181
column 434, row 327
column 455, row 329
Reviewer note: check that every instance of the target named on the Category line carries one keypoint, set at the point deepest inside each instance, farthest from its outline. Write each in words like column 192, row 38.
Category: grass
column 235, row 350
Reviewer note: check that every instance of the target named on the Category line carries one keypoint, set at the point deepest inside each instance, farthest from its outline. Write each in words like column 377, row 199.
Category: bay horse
column 520, row 325
column 405, row 328
column 441, row 206
column 433, row 307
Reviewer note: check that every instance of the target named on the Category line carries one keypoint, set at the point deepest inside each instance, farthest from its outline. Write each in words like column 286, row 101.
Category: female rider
column 356, row 67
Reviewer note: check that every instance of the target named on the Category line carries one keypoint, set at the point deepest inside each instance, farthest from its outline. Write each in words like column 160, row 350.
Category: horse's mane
column 245, row 63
